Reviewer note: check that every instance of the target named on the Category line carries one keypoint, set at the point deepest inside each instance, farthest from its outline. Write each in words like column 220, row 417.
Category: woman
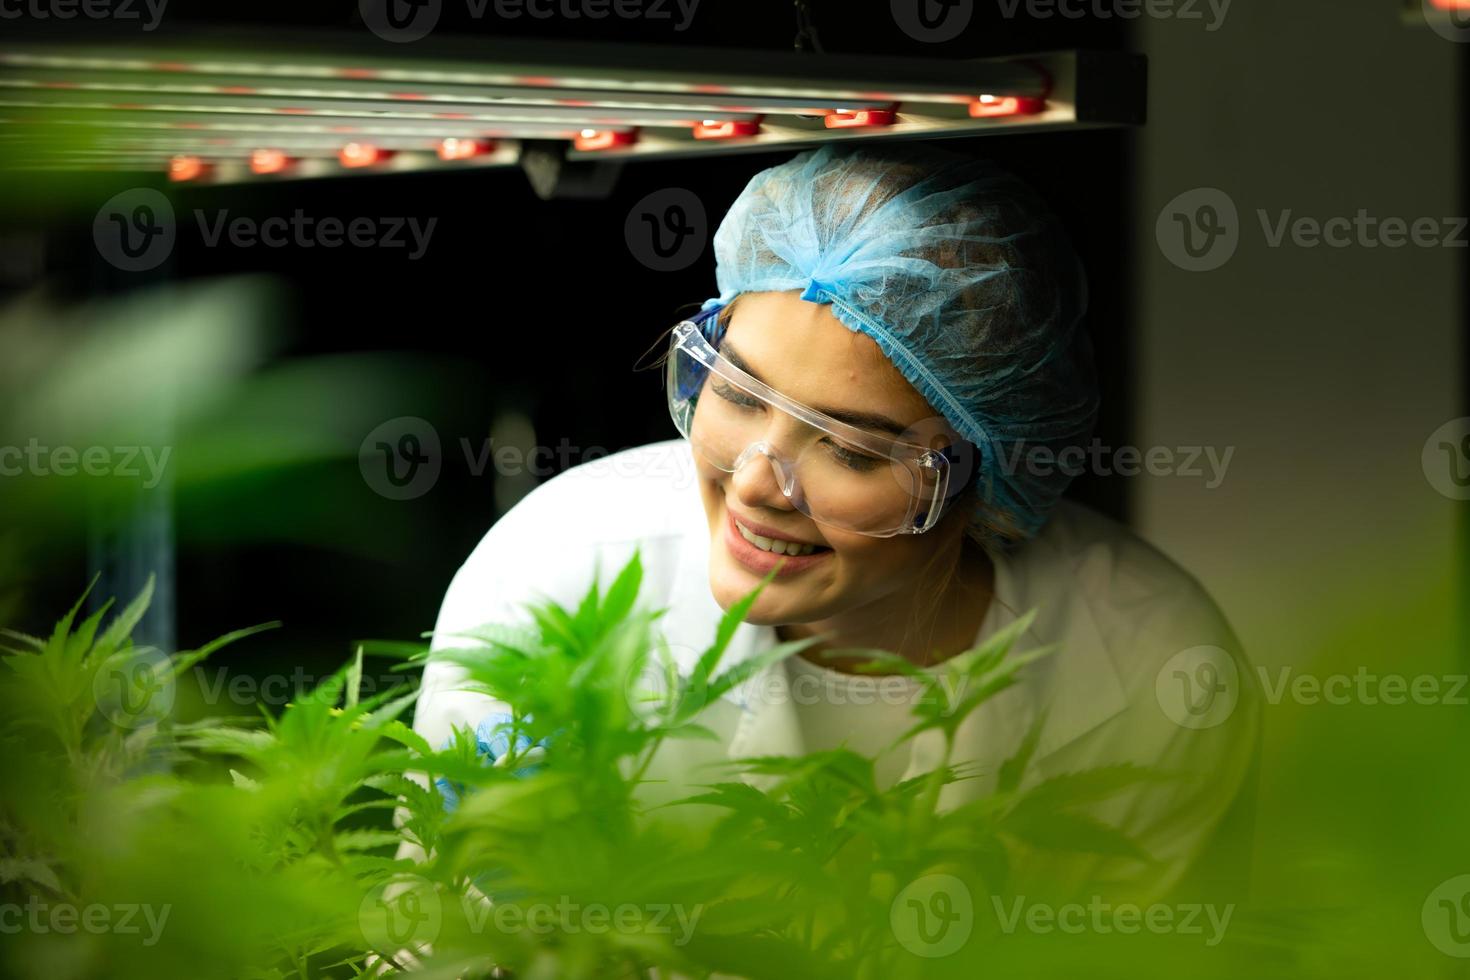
column 873, row 404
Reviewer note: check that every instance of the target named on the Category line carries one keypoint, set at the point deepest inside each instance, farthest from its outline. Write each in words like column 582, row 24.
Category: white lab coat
column 1118, row 611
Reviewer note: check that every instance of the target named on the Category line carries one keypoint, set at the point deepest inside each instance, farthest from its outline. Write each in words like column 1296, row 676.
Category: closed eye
column 734, row 395
column 853, row 459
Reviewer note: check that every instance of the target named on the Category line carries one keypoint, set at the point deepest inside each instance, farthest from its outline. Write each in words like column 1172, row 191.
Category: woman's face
column 801, row 350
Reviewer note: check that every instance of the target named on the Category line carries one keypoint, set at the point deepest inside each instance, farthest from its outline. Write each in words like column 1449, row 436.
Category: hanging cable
column 806, row 29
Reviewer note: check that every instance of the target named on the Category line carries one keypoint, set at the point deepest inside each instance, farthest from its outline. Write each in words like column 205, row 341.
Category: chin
column 779, row 604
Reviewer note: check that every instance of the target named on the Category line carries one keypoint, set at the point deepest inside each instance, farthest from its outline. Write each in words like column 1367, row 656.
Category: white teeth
column 774, row 545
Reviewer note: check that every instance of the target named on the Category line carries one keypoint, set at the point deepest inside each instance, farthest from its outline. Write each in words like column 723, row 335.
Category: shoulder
column 1143, row 602
column 580, row 526
column 630, row 494
column 1149, row 672
column 586, row 520
column 1147, row 667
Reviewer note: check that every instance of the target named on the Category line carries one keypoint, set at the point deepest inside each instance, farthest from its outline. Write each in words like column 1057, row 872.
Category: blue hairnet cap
column 963, row 277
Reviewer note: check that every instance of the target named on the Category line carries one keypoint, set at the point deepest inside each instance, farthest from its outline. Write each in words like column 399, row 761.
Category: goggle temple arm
column 709, row 325
column 953, row 455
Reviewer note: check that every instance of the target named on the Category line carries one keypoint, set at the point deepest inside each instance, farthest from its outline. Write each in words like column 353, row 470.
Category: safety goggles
column 835, row 473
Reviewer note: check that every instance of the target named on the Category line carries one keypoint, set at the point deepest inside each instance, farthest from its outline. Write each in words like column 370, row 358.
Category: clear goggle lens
column 836, row 474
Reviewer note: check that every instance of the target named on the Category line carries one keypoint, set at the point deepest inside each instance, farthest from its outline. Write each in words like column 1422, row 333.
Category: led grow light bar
column 222, row 100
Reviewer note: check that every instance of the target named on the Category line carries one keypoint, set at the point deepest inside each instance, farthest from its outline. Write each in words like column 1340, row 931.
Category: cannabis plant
column 320, row 840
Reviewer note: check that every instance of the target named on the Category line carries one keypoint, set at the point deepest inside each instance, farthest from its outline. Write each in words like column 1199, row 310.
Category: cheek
column 711, row 489
column 876, row 562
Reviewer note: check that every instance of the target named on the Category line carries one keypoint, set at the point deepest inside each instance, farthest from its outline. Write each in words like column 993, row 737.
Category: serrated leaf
column 243, row 781
column 29, row 869
column 1063, row 831
column 364, row 840
column 121, row 627
column 623, row 592
column 1014, row 768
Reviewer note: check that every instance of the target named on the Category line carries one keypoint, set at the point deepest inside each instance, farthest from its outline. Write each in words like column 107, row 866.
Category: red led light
column 712, row 129
column 362, row 155
column 991, row 106
column 603, row 139
column 1450, row 4
column 464, row 149
column 186, row 168
column 268, row 162
column 854, row 118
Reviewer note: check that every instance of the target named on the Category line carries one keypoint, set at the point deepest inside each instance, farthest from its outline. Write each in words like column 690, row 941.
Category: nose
column 757, row 481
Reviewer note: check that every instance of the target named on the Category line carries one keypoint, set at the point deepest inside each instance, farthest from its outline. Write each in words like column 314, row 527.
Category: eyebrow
column 862, row 420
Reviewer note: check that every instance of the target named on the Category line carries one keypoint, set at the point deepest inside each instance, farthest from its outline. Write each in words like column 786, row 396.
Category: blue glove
column 492, row 740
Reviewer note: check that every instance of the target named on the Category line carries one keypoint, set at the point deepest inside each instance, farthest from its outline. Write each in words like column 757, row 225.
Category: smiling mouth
column 777, row 546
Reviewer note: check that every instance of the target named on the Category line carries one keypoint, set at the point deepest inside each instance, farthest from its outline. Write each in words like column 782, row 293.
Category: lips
column 760, row 562
column 766, row 531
